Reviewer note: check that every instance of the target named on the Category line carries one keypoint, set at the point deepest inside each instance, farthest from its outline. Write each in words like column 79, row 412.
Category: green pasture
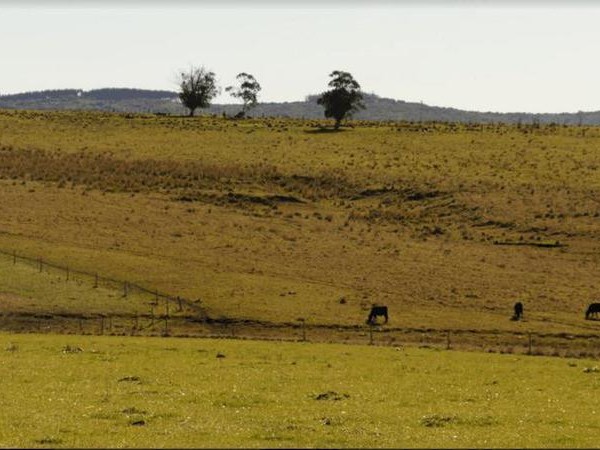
column 82, row 391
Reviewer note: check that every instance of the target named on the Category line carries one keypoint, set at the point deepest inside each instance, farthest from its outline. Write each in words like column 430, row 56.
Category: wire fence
column 172, row 315
column 169, row 302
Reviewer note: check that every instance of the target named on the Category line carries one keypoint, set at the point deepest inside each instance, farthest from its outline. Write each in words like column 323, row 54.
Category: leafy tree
column 247, row 91
column 344, row 99
column 198, row 87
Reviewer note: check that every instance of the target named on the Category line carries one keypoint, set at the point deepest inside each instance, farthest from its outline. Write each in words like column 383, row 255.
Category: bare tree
column 198, row 86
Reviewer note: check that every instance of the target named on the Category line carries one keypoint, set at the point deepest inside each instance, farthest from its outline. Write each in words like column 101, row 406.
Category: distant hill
column 108, row 99
column 378, row 108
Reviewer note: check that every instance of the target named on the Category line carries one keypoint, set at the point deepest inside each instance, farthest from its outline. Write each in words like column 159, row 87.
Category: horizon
column 473, row 56
column 306, row 98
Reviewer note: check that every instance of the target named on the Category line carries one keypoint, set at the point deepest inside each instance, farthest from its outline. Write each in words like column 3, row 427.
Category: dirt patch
column 331, row 395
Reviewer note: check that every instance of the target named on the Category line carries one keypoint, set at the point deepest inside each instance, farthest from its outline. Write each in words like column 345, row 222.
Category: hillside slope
column 275, row 220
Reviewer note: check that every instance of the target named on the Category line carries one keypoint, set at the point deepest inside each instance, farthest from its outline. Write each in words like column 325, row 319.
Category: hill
column 271, row 220
column 378, row 108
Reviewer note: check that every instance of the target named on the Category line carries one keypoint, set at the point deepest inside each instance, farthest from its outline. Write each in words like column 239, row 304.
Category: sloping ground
column 271, row 221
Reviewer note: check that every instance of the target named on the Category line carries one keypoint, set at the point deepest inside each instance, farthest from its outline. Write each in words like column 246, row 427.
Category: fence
column 170, row 302
column 173, row 315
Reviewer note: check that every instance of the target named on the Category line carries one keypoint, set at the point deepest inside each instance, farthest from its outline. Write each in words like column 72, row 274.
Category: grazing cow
column 377, row 311
column 518, row 311
column 592, row 310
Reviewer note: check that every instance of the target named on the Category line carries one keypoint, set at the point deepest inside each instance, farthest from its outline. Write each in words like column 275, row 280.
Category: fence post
column 179, row 303
column 125, row 289
column 151, row 315
column 167, row 305
column 302, row 321
column 166, row 325
column 67, row 273
column 448, row 340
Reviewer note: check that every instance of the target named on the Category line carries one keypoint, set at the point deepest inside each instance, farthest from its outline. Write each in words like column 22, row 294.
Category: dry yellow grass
column 401, row 214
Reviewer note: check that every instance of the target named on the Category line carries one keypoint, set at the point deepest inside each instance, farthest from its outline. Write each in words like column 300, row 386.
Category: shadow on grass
column 324, row 130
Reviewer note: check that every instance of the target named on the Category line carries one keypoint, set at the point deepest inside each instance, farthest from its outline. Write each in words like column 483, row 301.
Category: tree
column 247, row 91
column 198, row 87
column 344, row 99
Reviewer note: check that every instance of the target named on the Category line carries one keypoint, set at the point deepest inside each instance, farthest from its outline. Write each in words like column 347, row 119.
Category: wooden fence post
column 302, row 327
column 166, row 325
column 179, row 303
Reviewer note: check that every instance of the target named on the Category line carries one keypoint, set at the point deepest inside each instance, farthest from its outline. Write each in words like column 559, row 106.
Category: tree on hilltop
column 198, row 86
column 344, row 99
column 247, row 91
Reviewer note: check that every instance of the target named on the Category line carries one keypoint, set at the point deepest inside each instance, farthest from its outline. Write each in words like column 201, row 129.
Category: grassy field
column 263, row 222
column 82, row 391
column 274, row 219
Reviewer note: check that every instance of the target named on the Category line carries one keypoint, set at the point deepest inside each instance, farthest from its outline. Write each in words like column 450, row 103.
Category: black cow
column 592, row 310
column 377, row 311
column 518, row 311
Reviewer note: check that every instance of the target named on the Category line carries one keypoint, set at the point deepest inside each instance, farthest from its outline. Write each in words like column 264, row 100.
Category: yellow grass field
column 277, row 219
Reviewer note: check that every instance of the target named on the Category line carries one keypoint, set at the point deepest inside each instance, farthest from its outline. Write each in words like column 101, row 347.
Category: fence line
column 202, row 326
column 180, row 326
column 127, row 286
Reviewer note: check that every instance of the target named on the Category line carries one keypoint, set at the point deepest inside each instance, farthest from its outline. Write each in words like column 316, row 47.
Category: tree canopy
column 344, row 99
column 247, row 91
column 198, row 86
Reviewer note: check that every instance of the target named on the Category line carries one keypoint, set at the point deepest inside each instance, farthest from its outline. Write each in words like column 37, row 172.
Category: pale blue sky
column 541, row 57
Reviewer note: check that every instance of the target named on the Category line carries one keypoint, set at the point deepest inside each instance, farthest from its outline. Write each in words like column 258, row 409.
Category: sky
column 531, row 56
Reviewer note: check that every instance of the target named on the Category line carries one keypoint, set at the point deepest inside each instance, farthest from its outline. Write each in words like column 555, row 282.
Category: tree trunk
column 192, row 112
column 338, row 122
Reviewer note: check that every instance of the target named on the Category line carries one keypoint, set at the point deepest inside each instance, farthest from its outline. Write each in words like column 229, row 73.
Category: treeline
column 377, row 108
